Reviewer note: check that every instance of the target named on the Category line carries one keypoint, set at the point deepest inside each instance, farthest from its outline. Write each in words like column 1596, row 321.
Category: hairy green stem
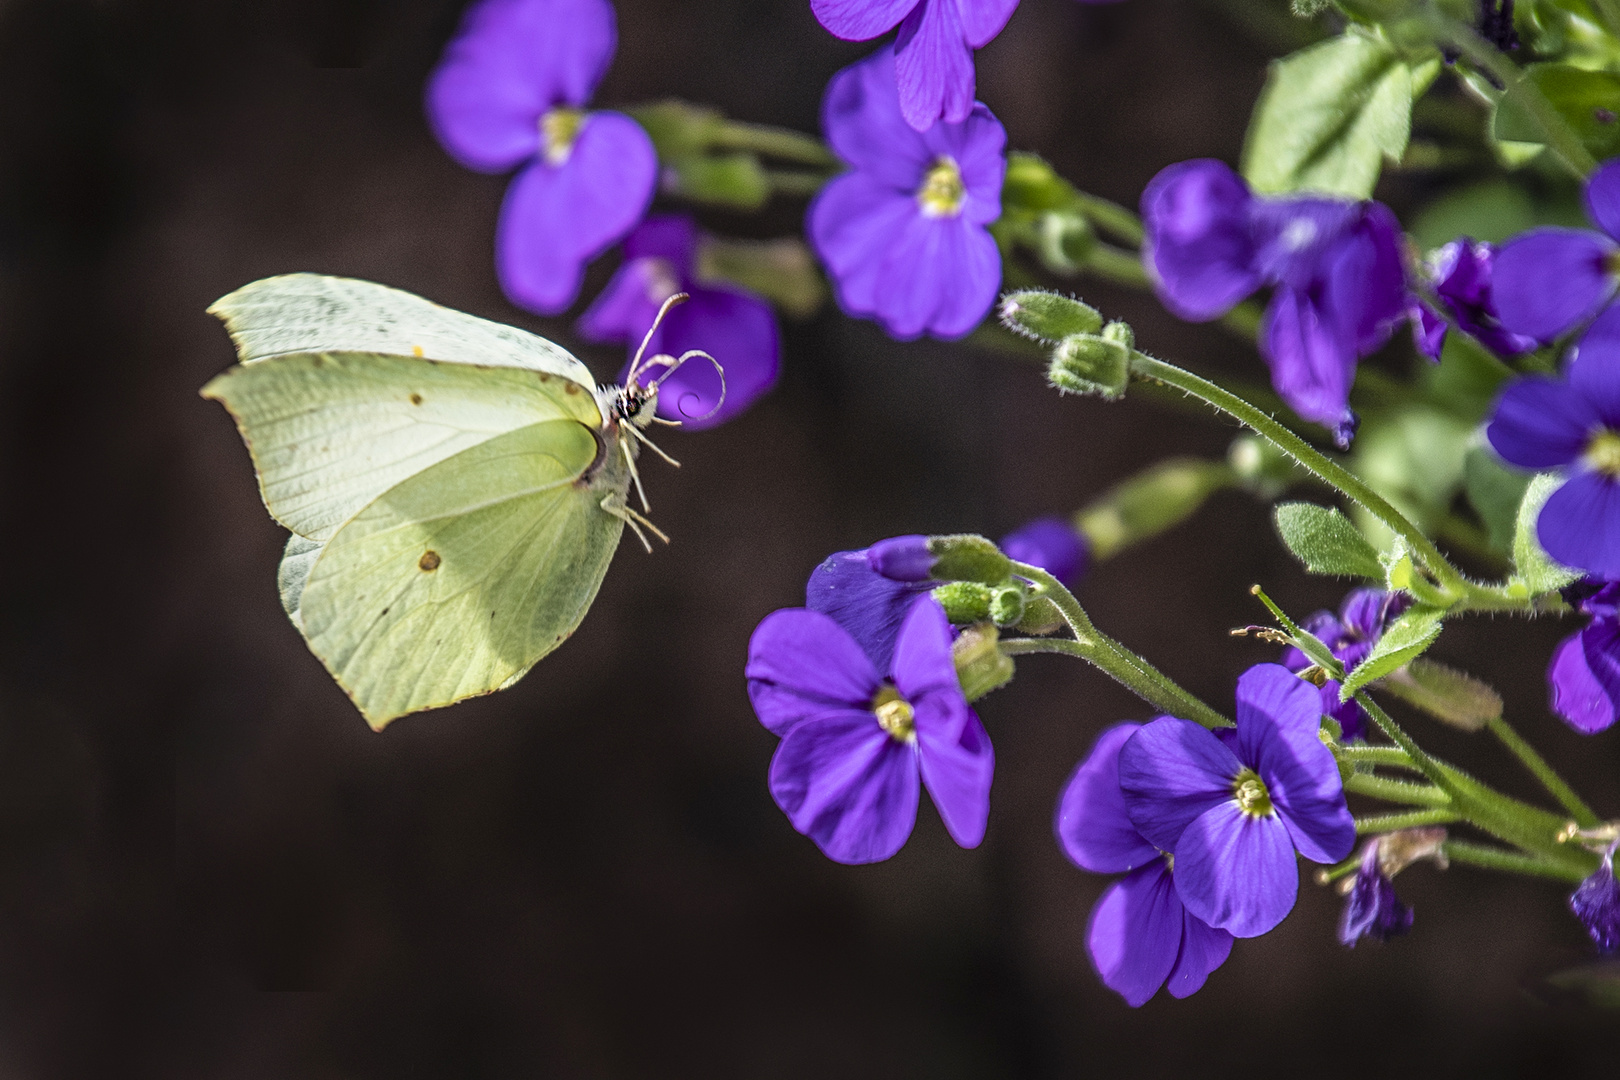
column 1116, row 265
column 1383, row 823
column 782, row 143
column 1110, row 217
column 1510, row 861
column 1330, row 472
column 1395, row 791
column 1392, row 756
column 1555, row 784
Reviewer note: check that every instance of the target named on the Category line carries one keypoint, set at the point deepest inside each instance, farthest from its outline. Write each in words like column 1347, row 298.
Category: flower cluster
column 1460, row 273
column 1338, row 286
column 1350, row 635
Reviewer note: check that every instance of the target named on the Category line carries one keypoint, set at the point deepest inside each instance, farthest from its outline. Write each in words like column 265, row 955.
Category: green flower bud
column 1041, row 617
column 782, row 271
column 1065, row 240
column 1149, row 503
column 1007, row 605
column 1090, row 364
column 966, row 557
column 980, row 665
column 1120, row 332
column 964, row 601
column 734, row 180
column 1048, row 316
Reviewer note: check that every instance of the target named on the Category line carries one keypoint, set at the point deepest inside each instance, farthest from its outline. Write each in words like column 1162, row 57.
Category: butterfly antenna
column 630, row 460
column 631, row 428
column 635, row 365
column 676, row 366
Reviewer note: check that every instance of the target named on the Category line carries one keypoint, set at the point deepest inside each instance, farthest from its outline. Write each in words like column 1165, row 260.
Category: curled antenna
column 675, row 365
column 635, row 365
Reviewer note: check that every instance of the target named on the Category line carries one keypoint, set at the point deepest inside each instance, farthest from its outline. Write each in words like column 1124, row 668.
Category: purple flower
column 1338, row 287
column 855, row 745
column 1052, row 544
column 1140, row 933
column 734, row 326
column 1350, row 636
column 933, row 53
column 852, row 588
column 1572, row 423
column 1371, row 908
column 1461, row 273
column 1233, row 813
column 903, row 232
column 1549, row 280
column 510, row 91
column 1597, row 904
column 1584, row 675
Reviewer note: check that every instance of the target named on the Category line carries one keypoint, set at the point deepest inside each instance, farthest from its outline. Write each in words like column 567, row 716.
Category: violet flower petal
column 1597, row 904
column 1600, row 649
column 1171, row 772
column 629, row 302
column 1203, row 949
column 903, row 558
column 982, row 20
column 859, row 20
column 1050, row 543
column 509, row 62
column 1091, row 824
column 1198, row 241
column 865, row 603
column 557, row 218
column 1312, row 364
column 922, row 653
column 1237, row 872
column 957, row 766
column 1366, row 280
column 673, row 237
column 978, row 146
column 1603, row 197
column 811, row 655
column 1371, row 909
column 1580, row 525
column 860, row 114
column 848, row 785
column 1540, row 423
column 1575, row 694
column 1278, row 717
column 933, row 65
column 1134, row 934
column 1594, row 373
column 1548, row 279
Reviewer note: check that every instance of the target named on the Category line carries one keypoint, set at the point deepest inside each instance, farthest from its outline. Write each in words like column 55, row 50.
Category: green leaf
column 1328, row 117
column 1495, row 491
column 1446, row 694
column 1535, row 567
column 1589, row 100
column 1404, row 641
column 1326, row 542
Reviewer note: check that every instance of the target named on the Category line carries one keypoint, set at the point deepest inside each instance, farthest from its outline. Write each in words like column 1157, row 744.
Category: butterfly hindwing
column 457, row 580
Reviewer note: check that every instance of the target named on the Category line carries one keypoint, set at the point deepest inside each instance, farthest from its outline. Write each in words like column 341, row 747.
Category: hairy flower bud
column 1148, row 504
column 967, row 557
column 980, row 665
column 1048, row 316
column 1041, row 617
column 1091, row 364
column 964, row 601
column 1007, row 605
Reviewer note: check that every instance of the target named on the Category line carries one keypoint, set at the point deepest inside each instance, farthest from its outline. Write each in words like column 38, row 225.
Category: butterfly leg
column 615, row 505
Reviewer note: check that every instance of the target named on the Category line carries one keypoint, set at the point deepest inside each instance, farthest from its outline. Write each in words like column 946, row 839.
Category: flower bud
column 966, row 557
column 1041, row 617
column 964, row 601
column 1149, row 503
column 1007, row 605
column 1064, row 240
column 1048, row 316
column 1090, row 364
column 901, row 558
column 980, row 665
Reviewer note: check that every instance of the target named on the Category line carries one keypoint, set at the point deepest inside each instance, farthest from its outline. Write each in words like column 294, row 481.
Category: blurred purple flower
column 1234, row 812
column 869, row 605
column 1350, row 636
column 1572, row 423
column 1371, row 908
column 854, row 745
column 1461, row 274
column 1584, row 675
column 1597, row 904
column 510, row 91
column 1052, row 544
column 1140, row 933
column 903, row 232
column 1338, row 286
column 731, row 324
column 1549, row 280
column 934, row 51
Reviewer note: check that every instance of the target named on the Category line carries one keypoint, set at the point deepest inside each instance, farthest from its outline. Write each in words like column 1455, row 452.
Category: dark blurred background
column 210, row 867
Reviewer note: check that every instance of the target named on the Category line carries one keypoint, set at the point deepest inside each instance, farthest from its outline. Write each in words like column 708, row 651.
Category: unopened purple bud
column 901, row 558
column 1051, row 544
column 1371, row 908
column 1597, row 904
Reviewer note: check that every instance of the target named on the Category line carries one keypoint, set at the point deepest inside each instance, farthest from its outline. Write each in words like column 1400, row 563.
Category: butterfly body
column 451, row 519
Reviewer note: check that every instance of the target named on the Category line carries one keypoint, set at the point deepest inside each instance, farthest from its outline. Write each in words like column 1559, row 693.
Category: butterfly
column 455, row 488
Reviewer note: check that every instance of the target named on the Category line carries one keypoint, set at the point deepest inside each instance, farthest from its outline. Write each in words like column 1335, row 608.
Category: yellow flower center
column 894, row 714
column 559, row 128
column 1251, row 793
column 942, row 193
column 1603, row 453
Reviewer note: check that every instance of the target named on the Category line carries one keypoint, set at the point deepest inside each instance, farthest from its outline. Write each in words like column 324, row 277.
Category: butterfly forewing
column 455, row 581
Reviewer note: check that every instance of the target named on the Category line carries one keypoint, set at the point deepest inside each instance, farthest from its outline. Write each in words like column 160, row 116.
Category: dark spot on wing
column 571, row 387
column 429, row 561
column 416, row 399
column 544, row 377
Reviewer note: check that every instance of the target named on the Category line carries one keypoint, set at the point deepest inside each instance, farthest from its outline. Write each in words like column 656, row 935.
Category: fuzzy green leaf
column 1326, row 542
column 1404, row 641
column 1535, row 567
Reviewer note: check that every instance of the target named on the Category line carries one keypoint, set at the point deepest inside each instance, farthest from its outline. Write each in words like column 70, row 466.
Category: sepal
column 980, row 665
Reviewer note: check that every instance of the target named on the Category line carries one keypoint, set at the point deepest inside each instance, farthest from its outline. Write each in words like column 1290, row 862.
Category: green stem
column 1395, row 791
column 1110, row 217
column 795, row 183
column 1146, row 367
column 1555, row 784
column 1560, row 137
column 1382, row 823
column 782, row 143
column 1130, row 670
column 1510, row 861
column 1392, row 756
column 1117, row 265
column 1609, row 12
